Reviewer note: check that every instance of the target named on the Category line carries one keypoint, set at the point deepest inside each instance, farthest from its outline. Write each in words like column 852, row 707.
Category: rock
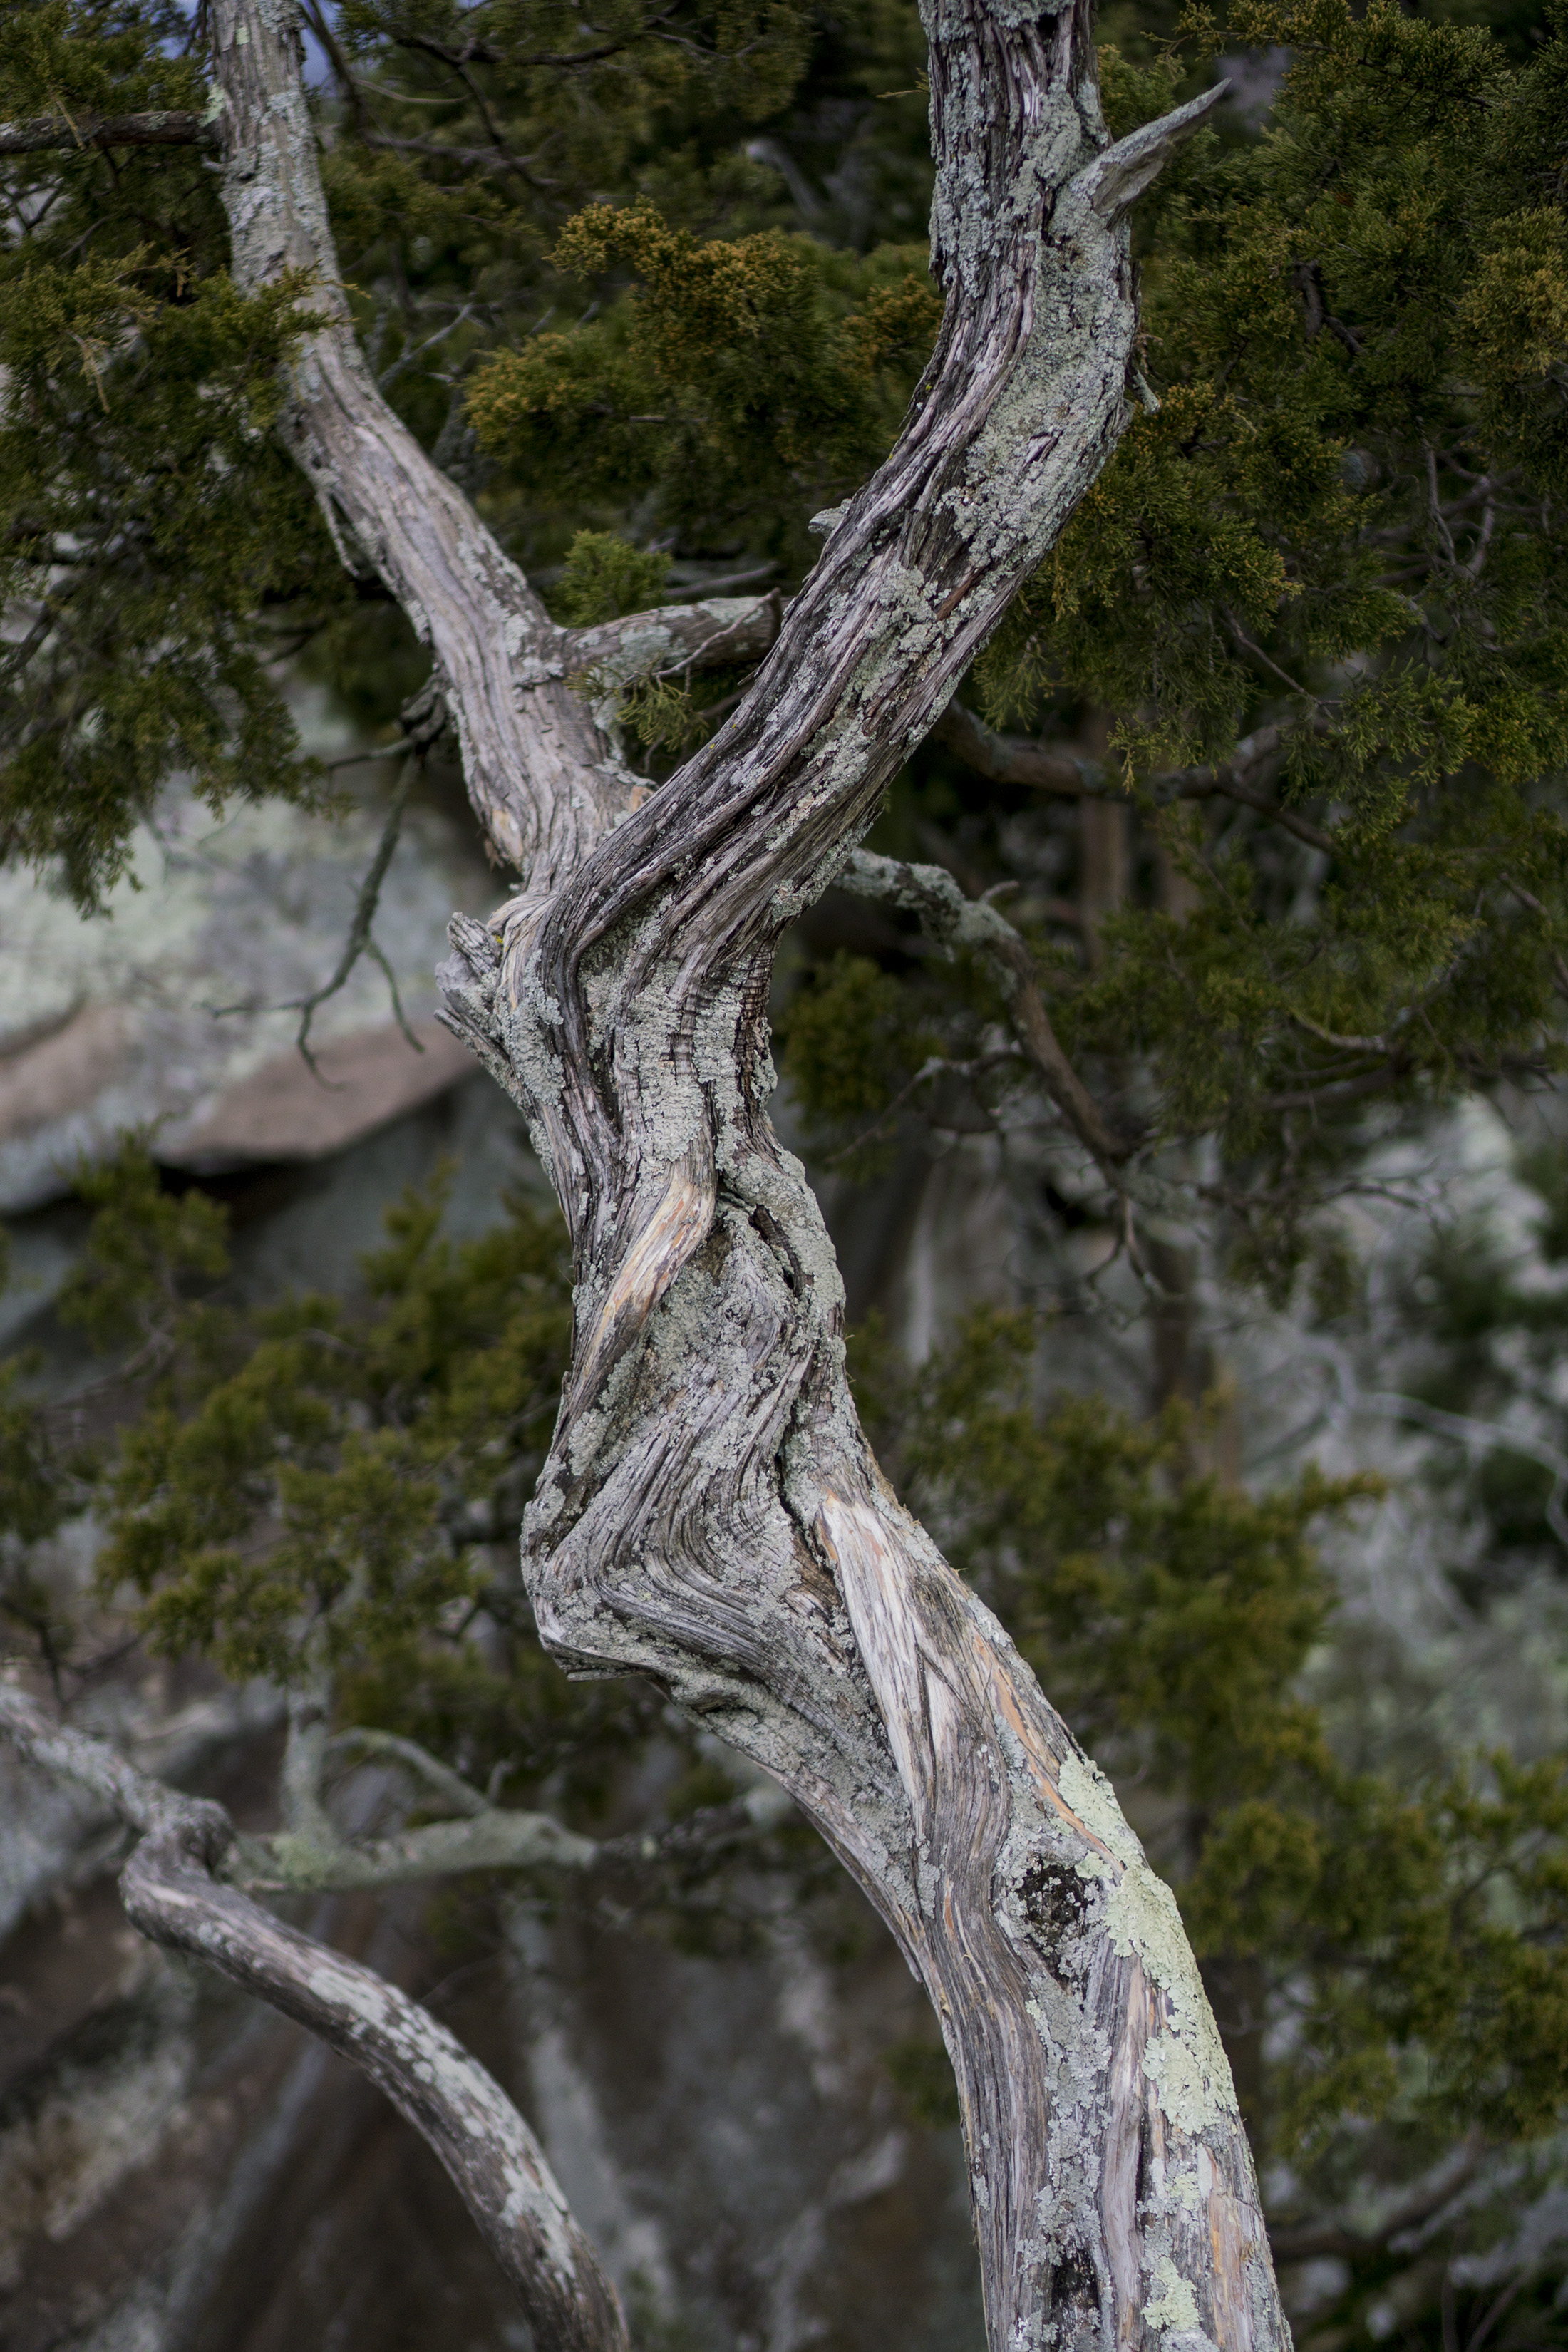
column 285, row 1110
column 172, row 1011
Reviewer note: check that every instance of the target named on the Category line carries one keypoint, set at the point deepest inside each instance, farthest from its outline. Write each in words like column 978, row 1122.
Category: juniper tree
column 1293, row 533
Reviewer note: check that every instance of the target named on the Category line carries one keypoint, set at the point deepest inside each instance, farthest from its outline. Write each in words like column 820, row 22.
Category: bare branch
column 709, row 1514
column 361, row 940
column 171, row 1892
column 953, row 921
column 1120, row 175
column 168, row 128
column 545, row 781
column 387, row 1745
column 493, row 1839
column 676, row 638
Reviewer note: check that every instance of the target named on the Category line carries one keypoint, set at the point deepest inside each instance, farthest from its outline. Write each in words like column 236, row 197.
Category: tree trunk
column 710, row 1514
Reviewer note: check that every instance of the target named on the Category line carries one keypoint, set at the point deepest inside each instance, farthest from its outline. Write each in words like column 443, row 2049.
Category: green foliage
column 332, row 1485
column 1168, row 1613
column 367, row 1443
column 1354, row 320
column 740, row 383
column 605, row 576
column 847, row 1051
column 1342, row 523
column 1410, row 1938
column 144, row 1248
column 160, row 548
column 146, row 521
column 1415, row 1942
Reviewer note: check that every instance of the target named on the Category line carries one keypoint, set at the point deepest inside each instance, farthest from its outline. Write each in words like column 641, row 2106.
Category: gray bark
column 710, row 1513
column 173, row 1891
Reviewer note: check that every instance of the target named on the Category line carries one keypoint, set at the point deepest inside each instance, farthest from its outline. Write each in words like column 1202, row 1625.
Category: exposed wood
column 709, row 1513
column 676, row 638
column 173, row 1892
column 546, row 783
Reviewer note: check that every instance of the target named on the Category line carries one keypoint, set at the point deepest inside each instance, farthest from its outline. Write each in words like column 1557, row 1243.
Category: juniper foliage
column 653, row 290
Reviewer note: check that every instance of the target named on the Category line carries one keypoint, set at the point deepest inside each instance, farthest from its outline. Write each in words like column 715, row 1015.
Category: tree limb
column 546, row 783
column 668, row 641
column 172, row 1894
column 675, row 638
column 710, row 1513
column 494, row 1839
column 953, row 920
column 168, row 128
column 1019, row 759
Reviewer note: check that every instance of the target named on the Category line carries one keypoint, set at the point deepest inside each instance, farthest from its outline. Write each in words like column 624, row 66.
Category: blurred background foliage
column 653, row 288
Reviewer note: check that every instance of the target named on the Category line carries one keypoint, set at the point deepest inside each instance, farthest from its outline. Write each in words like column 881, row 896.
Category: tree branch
column 545, row 781
column 674, row 639
column 169, row 128
column 171, row 1892
column 494, row 1839
column 953, row 921
column 709, row 1513
column 1019, row 759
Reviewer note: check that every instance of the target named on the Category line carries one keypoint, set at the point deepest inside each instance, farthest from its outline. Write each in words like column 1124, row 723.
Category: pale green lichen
column 1186, row 2063
column 1174, row 2305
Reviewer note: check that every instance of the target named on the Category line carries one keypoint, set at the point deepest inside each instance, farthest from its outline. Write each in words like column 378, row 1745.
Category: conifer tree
column 1277, row 543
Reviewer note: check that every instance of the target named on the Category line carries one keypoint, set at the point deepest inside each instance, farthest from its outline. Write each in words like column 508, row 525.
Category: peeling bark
column 710, row 1513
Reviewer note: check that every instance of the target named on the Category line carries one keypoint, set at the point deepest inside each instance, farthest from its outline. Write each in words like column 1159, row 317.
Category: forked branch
column 710, row 1513
column 173, row 1892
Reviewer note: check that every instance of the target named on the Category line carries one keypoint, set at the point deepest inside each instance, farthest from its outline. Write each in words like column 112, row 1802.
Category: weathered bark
column 710, row 1513
column 165, row 128
column 172, row 1891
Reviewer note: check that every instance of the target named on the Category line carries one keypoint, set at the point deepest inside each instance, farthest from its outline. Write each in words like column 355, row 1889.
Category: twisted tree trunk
column 710, row 1514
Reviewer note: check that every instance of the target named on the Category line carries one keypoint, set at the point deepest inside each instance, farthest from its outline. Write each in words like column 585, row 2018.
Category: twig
column 360, row 941
column 407, row 359
column 937, row 1065
column 949, row 921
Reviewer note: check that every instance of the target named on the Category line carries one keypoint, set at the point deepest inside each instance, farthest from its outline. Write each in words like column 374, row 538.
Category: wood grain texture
column 709, row 1513
column 546, row 783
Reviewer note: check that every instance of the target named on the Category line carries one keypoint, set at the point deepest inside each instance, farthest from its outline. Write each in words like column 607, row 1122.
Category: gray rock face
column 182, row 2172
column 171, row 1011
